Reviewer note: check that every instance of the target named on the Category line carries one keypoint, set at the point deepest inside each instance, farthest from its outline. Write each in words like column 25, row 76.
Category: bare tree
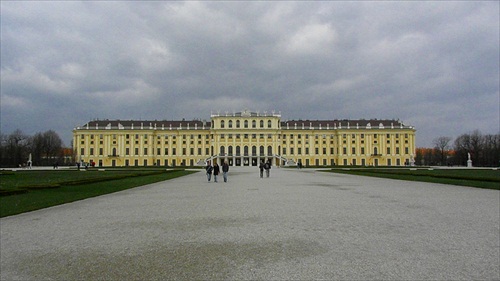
column 51, row 145
column 14, row 149
column 442, row 146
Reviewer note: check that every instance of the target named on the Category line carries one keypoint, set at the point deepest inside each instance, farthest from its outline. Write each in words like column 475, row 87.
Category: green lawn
column 41, row 189
column 482, row 178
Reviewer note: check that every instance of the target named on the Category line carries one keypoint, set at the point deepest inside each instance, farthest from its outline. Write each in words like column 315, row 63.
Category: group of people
column 215, row 170
column 264, row 166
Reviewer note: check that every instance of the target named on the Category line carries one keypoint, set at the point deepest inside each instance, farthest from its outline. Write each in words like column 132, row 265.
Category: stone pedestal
column 469, row 163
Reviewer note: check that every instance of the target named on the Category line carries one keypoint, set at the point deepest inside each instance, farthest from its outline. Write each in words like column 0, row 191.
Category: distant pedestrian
column 209, row 170
column 267, row 167
column 261, row 168
column 216, row 171
column 225, row 170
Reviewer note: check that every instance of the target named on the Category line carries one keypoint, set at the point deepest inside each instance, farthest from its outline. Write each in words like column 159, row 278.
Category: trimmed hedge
column 411, row 173
column 4, row 192
column 41, row 186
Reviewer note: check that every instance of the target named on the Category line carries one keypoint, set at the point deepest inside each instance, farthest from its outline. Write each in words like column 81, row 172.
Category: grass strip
column 489, row 179
column 36, row 199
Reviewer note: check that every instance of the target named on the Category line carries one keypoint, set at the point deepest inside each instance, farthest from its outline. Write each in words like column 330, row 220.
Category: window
column 145, row 151
column 237, row 123
column 388, row 150
column 230, row 123
column 353, row 150
column 166, row 151
column 222, row 124
column 269, row 123
column 246, row 124
column 262, row 123
column 254, row 124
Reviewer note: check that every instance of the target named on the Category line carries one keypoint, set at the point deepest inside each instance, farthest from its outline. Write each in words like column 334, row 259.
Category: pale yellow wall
column 310, row 146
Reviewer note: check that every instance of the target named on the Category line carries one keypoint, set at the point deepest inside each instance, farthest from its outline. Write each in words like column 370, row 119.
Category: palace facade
column 244, row 139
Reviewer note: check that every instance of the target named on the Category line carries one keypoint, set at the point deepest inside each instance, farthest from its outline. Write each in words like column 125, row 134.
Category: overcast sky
column 433, row 65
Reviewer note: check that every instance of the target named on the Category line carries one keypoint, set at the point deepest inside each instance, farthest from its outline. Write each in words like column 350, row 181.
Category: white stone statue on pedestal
column 469, row 161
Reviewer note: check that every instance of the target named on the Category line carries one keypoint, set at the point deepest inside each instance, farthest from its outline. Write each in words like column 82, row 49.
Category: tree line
column 46, row 149
column 484, row 151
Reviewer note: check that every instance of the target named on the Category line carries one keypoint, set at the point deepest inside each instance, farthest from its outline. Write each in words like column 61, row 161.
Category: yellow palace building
column 245, row 139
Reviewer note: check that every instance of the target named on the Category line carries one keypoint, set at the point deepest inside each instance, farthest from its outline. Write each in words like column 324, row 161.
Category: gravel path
column 297, row 224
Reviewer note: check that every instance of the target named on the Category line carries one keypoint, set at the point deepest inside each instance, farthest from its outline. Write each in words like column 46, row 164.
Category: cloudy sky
column 433, row 65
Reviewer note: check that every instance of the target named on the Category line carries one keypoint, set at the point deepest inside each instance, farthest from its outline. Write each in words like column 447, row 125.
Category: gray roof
column 199, row 124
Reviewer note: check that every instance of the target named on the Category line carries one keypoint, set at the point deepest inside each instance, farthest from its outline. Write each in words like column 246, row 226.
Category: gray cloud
column 432, row 64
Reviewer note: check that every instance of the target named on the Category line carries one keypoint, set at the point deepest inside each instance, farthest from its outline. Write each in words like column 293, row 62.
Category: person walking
column 225, row 170
column 216, row 171
column 261, row 168
column 209, row 170
column 267, row 167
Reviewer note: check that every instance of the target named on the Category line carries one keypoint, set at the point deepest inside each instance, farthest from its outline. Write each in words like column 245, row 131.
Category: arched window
column 245, row 150
column 222, row 124
column 269, row 123
column 254, row 150
column 237, row 123
column 114, row 151
column 222, row 150
column 230, row 123
column 375, row 150
column 230, row 150
column 254, row 124
column 269, row 150
column 238, row 151
column 261, row 150
column 246, row 124
column 262, row 123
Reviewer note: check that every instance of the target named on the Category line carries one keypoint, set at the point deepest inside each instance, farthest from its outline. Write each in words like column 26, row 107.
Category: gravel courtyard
column 296, row 224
